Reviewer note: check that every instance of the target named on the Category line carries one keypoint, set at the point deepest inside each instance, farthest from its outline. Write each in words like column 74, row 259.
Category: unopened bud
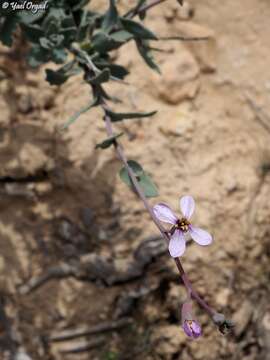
column 191, row 326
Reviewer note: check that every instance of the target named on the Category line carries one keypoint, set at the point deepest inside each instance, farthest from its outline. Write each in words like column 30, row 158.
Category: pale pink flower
column 191, row 326
column 181, row 226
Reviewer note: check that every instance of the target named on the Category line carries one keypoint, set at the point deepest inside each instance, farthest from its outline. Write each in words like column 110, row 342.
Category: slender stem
column 143, row 9
column 149, row 6
column 193, row 293
column 122, row 157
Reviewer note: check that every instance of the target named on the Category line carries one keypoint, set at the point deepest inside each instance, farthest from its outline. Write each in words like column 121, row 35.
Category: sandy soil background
column 68, row 222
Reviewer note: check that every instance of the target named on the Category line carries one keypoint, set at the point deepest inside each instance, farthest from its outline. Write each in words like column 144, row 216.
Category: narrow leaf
column 116, row 70
column 7, row 28
column 147, row 56
column 111, row 17
column 77, row 115
column 148, row 187
column 101, row 77
column 122, row 116
column 108, row 142
column 138, row 30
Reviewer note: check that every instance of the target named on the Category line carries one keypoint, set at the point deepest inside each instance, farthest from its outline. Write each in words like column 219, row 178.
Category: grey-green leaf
column 147, row 56
column 55, row 77
column 146, row 184
column 103, row 43
column 100, row 78
column 110, row 18
column 78, row 114
column 61, row 75
column 121, row 36
column 116, row 70
column 138, row 30
column 108, row 142
column 122, row 116
column 7, row 28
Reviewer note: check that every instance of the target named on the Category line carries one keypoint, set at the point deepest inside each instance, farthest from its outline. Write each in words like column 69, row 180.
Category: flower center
column 183, row 224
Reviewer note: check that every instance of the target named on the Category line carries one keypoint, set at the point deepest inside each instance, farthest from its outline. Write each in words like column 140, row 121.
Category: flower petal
column 177, row 245
column 201, row 236
column 192, row 328
column 164, row 213
column 187, row 205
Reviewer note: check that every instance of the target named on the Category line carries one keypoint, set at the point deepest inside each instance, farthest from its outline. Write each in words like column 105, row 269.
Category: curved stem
column 143, row 9
column 122, row 157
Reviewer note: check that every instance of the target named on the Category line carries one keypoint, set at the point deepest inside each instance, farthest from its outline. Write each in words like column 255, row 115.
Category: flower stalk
column 122, row 157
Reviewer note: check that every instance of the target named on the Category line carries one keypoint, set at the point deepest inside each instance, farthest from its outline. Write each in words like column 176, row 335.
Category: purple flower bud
column 191, row 327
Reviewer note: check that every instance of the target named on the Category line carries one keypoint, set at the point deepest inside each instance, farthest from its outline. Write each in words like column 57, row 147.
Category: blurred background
column 83, row 272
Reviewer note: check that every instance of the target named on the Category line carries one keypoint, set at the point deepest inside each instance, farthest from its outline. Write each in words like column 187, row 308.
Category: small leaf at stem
column 148, row 187
column 108, row 142
column 100, row 78
column 117, row 71
column 122, row 116
column 78, row 114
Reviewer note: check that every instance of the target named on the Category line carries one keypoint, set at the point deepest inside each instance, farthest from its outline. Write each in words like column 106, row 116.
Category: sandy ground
column 65, row 214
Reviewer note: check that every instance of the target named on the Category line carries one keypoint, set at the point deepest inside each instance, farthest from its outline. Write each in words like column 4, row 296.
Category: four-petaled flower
column 181, row 226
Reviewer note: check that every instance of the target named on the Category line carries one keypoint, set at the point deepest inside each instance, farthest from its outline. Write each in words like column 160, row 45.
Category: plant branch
column 143, row 9
column 122, row 157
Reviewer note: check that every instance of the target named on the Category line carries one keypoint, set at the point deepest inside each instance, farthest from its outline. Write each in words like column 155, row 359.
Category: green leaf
column 80, row 4
column 27, row 17
column 134, row 11
column 111, row 17
column 138, row 30
column 55, row 77
column 122, row 116
column 61, row 75
column 37, row 56
column 117, row 71
column 146, row 184
column 108, row 142
column 103, row 43
column 32, row 32
column 78, row 114
column 7, row 29
column 86, row 22
column 59, row 56
column 147, row 56
column 69, row 30
column 100, row 78
column 121, row 36
column 101, row 94
column 45, row 43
